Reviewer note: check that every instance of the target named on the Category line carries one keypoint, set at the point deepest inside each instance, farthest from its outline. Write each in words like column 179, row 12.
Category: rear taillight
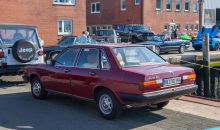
column 189, row 78
column 2, row 54
column 40, row 53
column 151, row 84
column 4, row 64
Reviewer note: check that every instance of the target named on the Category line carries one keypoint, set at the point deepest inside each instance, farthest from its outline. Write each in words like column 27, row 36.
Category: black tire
column 108, row 105
column 197, row 48
column 162, row 104
column 182, row 49
column 37, row 89
column 216, row 47
column 157, row 50
column 134, row 40
column 23, row 51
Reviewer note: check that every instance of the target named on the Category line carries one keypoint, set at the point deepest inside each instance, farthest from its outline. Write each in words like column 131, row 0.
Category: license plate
column 171, row 81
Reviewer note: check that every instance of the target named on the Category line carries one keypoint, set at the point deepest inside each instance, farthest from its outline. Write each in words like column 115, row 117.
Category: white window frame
column 58, row 2
column 180, row 5
column 178, row 27
column 121, row 5
column 186, row 25
column 197, row 4
column 169, row 4
column 65, row 33
column 196, row 27
column 191, row 27
column 137, row 2
column 165, row 26
column 186, row 1
column 160, row 5
column 95, row 3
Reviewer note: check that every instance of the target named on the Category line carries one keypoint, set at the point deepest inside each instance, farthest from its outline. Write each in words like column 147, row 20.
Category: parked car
column 185, row 36
column 107, row 36
column 164, row 44
column 19, row 46
column 134, row 33
column 52, row 51
column 214, row 40
column 112, row 75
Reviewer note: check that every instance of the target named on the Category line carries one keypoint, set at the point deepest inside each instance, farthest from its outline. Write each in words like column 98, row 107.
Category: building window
column 178, row 5
column 95, row 7
column 178, row 27
column 186, row 27
column 165, row 27
column 159, row 5
column 64, row 27
column 187, row 5
column 191, row 27
column 137, row 2
column 209, row 16
column 168, row 4
column 64, row 2
column 195, row 7
column 196, row 27
column 123, row 4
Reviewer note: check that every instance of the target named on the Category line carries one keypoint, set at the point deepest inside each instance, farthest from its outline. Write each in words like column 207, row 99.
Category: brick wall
column 45, row 15
column 112, row 15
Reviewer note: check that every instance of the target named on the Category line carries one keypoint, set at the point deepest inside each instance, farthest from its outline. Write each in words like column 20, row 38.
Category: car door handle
column 92, row 73
column 66, row 71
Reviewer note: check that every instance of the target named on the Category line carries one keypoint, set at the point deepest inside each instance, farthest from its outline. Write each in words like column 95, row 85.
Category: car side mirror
column 49, row 62
column 117, row 34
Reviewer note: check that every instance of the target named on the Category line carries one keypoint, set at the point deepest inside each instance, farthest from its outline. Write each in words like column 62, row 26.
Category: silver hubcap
column 36, row 88
column 105, row 104
column 182, row 49
column 157, row 50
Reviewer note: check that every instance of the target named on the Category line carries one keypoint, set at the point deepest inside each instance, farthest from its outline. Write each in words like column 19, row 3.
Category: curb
column 201, row 100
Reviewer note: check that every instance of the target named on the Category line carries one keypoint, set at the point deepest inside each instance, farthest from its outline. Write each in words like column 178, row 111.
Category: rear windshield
column 136, row 56
column 8, row 36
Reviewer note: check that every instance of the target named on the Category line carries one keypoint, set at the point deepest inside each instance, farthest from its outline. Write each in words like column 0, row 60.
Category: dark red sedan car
column 113, row 75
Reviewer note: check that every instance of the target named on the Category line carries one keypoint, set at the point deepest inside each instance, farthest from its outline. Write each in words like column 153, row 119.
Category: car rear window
column 136, row 56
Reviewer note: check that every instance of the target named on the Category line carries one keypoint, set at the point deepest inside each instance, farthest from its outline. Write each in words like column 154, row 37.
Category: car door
column 59, row 74
column 85, row 75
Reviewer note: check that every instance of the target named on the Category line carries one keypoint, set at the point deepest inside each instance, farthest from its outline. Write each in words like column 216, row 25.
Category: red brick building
column 54, row 18
column 159, row 15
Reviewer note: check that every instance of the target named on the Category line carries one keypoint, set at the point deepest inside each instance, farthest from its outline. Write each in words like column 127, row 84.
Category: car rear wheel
column 162, row 104
column 216, row 47
column 108, row 105
column 182, row 49
column 197, row 48
column 157, row 50
column 134, row 40
column 37, row 89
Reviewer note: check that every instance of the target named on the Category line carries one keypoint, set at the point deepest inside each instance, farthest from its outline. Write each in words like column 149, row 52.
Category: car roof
column 105, row 45
column 13, row 25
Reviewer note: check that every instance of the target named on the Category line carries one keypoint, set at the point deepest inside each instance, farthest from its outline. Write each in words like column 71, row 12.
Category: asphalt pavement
column 20, row 111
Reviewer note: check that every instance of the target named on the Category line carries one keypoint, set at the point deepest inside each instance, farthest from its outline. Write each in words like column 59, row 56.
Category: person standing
column 175, row 33
column 83, row 38
column 88, row 37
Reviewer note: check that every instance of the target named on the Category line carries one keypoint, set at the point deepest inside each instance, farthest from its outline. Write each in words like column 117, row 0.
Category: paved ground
column 18, row 110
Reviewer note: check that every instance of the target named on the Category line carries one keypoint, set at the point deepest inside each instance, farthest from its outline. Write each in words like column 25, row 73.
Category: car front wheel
column 108, row 105
column 182, row 49
column 37, row 89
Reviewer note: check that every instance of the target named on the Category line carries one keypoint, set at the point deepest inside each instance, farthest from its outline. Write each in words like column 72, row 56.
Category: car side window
column 67, row 58
column 104, row 60
column 89, row 58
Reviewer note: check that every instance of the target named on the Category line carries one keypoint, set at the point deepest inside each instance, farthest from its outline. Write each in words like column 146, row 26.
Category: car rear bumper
column 157, row 96
column 12, row 70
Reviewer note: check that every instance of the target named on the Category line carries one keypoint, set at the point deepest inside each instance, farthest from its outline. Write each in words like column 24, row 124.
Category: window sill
column 61, row 34
column 178, row 10
column 159, row 10
column 187, row 11
column 68, row 4
column 123, row 9
column 195, row 11
column 137, row 4
column 95, row 12
column 168, row 10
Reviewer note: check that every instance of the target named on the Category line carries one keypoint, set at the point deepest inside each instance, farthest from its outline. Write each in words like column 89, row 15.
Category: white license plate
column 171, row 81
